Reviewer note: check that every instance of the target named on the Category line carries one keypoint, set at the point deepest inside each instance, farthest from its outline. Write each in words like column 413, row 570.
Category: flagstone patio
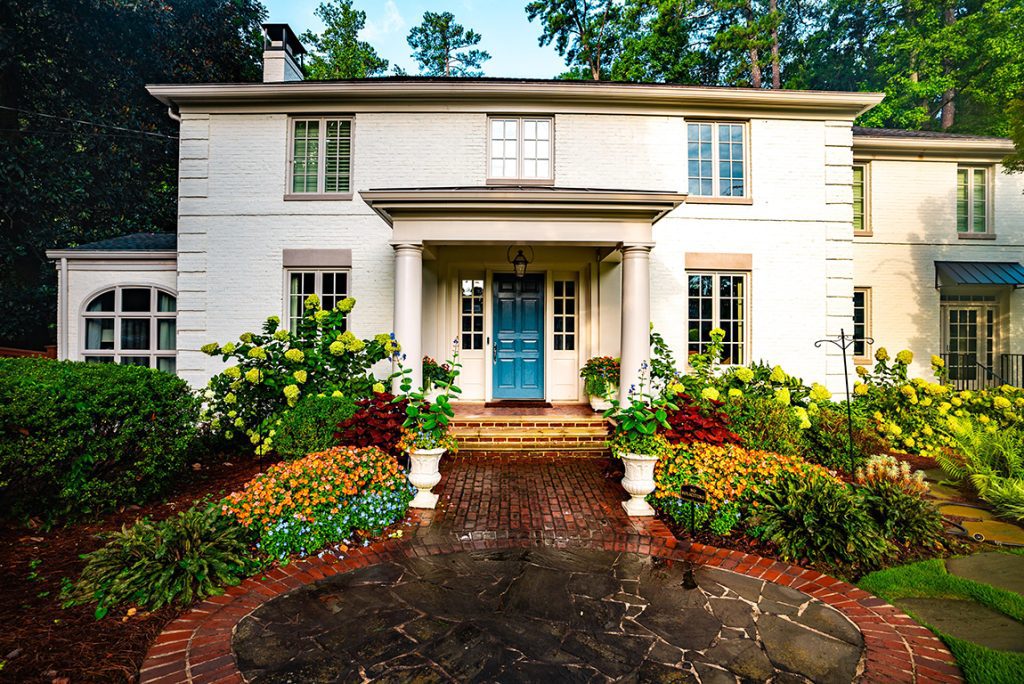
column 529, row 570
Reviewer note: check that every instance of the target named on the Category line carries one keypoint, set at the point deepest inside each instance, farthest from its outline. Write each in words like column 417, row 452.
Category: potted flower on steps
column 435, row 377
column 600, row 381
column 429, row 422
column 637, row 442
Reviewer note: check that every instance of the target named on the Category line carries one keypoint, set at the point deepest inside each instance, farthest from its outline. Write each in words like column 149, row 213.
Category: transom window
column 330, row 286
column 133, row 326
column 320, row 157
column 718, row 300
column 861, row 218
column 972, row 213
column 520, row 148
column 716, row 159
column 861, row 322
column 472, row 308
column 565, row 315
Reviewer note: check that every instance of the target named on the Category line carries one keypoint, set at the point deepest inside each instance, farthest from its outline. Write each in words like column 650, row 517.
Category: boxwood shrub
column 80, row 438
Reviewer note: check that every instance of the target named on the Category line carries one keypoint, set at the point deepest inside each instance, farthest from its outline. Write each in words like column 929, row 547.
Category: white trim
column 118, row 314
column 321, row 171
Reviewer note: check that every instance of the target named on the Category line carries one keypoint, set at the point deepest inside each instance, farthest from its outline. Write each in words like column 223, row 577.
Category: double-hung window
column 972, row 201
column 861, row 324
column 861, row 205
column 320, row 158
column 716, row 159
column 330, row 286
column 520, row 149
column 718, row 300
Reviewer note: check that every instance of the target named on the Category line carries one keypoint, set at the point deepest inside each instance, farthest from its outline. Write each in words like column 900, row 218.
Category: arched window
column 134, row 326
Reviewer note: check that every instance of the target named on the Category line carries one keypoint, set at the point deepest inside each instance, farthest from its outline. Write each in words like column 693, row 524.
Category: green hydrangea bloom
column 228, row 348
column 346, row 304
column 295, row 355
column 300, row 376
column 337, row 348
column 820, row 392
column 233, row 372
column 281, row 335
column 778, row 375
column 744, row 374
column 906, row 357
column 257, row 353
column 782, row 396
column 210, row 349
column 254, row 375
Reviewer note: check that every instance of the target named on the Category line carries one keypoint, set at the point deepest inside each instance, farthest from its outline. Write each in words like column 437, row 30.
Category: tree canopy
column 337, row 52
column 443, row 47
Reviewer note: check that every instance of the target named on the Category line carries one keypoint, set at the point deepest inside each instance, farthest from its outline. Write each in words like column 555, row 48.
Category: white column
column 409, row 307
column 636, row 315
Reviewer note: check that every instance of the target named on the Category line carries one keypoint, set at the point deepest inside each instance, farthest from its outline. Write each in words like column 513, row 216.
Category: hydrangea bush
column 271, row 369
column 301, row 506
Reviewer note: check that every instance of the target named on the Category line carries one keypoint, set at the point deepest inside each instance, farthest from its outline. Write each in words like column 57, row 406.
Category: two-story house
column 543, row 222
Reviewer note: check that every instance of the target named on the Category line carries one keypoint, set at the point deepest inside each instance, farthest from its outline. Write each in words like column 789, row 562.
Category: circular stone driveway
column 545, row 614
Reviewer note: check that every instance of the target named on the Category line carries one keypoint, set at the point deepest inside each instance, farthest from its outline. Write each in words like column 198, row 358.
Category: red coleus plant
column 377, row 422
column 691, row 422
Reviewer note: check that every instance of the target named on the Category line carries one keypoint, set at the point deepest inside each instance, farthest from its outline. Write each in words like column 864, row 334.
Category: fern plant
column 153, row 564
column 991, row 462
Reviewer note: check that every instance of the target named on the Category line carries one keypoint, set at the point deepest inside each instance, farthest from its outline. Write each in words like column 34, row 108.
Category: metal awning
column 1005, row 273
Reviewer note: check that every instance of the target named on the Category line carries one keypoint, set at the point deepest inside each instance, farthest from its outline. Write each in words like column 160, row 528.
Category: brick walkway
column 509, row 502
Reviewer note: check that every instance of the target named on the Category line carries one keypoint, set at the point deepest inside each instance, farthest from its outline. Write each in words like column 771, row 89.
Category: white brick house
column 758, row 211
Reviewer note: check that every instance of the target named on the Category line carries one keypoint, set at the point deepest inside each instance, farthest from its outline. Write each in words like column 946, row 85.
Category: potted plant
column 429, row 425
column 435, row 377
column 600, row 381
column 637, row 442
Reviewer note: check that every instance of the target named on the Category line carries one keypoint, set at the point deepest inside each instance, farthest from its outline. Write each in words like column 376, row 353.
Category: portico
column 585, row 291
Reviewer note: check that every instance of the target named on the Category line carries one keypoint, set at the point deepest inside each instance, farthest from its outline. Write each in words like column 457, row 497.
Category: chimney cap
column 282, row 33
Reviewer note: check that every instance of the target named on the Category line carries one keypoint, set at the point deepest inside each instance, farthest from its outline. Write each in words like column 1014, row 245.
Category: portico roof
column 525, row 201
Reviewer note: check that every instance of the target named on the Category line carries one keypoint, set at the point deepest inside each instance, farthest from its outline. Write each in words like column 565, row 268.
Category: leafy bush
column 732, row 477
column 600, row 376
column 187, row 557
column 990, row 460
column 310, row 425
column 301, row 506
column 273, row 368
column 765, row 424
column 819, row 519
column 691, row 422
column 895, row 498
column 80, row 438
column 377, row 422
column 827, row 440
column 430, row 421
column 436, row 374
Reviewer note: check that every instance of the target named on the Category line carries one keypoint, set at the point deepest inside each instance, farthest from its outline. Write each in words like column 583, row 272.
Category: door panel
column 518, row 337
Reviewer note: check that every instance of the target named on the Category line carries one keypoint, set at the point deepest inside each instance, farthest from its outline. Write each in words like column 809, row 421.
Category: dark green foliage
column 310, row 425
column 764, row 424
column 78, row 438
column 338, row 52
column 585, row 32
column 902, row 516
column 820, row 520
column 185, row 558
column 441, row 46
column 827, row 440
column 65, row 183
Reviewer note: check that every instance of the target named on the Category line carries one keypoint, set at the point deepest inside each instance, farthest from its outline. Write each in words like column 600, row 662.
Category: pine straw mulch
column 42, row 642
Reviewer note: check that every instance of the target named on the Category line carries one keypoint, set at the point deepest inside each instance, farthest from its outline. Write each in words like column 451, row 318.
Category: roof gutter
column 115, row 254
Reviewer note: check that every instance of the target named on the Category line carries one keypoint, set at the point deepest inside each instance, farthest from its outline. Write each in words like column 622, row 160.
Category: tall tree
column 441, row 46
column 338, row 52
column 583, row 31
column 63, row 182
column 664, row 41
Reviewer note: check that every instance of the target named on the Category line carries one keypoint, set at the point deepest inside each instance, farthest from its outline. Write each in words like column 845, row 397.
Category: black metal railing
column 967, row 372
column 1011, row 369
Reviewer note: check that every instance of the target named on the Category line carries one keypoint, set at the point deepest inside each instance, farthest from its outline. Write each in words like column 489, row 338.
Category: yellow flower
column 862, row 371
column 257, row 353
column 1001, row 403
column 337, row 394
column 210, row 349
column 273, row 320
column 312, row 302
column 281, row 335
column 346, row 304
column 239, row 423
column 230, row 398
column 246, row 337
column 228, row 348
column 735, row 393
column 321, row 315
column 300, row 376
column 908, row 392
column 778, row 375
column 820, row 392
column 254, row 375
column 233, row 372
column 906, row 357
column 860, row 389
column 937, row 361
column 716, row 334
column 956, row 401
column 336, row 348
column 295, row 355
column 881, row 354
column 291, row 393
column 782, row 396
column 744, row 374
column 378, row 388
column 709, row 393
column 983, row 418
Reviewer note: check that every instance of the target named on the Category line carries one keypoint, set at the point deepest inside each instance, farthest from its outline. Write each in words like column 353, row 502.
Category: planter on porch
column 424, row 474
column 638, row 481
column 600, row 403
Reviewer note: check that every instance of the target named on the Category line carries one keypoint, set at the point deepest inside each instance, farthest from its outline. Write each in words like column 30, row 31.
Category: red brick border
column 197, row 646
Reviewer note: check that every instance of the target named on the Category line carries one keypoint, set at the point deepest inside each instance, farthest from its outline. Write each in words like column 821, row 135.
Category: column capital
column 639, row 249
column 407, row 247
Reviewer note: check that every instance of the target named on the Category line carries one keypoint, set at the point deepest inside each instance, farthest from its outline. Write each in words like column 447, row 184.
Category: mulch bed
column 42, row 642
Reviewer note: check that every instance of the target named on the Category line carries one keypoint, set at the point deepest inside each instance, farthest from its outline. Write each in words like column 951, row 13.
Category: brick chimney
column 281, row 50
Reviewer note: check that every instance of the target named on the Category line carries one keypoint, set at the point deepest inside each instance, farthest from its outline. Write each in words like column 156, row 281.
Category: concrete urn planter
column 600, row 404
column 424, row 474
column 638, row 481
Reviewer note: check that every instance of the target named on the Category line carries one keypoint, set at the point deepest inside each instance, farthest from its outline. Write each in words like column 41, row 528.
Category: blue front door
column 518, row 336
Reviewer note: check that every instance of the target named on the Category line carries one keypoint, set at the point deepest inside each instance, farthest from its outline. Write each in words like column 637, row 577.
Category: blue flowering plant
column 638, row 422
column 429, row 422
column 270, row 370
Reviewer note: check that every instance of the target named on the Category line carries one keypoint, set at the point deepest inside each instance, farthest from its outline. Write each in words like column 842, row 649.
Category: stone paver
column 969, row 621
column 498, row 506
column 1003, row 570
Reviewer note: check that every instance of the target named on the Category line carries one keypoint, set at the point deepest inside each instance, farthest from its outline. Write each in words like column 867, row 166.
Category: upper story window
column 861, row 211
column 716, row 159
column 133, row 326
column 861, row 324
column 320, row 158
column 330, row 286
column 520, row 149
column 973, row 215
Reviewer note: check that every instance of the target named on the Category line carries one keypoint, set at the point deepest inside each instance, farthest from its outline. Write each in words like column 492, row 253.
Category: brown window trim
column 317, row 196
column 701, row 199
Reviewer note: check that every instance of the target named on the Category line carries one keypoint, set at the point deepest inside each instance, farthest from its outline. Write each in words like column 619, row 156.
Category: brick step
column 540, row 432
column 531, row 444
column 529, row 425
column 539, row 453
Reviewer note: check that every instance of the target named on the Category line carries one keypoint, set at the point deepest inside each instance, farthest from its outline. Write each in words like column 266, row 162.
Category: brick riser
column 532, row 437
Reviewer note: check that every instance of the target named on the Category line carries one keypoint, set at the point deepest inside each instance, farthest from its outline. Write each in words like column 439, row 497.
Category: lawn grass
column 929, row 579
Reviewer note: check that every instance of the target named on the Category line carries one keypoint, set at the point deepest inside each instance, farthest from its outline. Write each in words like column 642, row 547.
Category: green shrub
column 187, row 557
column 310, row 425
column 991, row 460
column 821, row 520
column 764, row 424
column 827, row 440
column 80, row 438
column 895, row 499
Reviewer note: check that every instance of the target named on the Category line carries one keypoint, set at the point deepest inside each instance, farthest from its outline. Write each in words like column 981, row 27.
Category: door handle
column 494, row 351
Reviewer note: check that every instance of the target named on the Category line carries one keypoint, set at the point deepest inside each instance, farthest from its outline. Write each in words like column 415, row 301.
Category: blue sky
column 507, row 34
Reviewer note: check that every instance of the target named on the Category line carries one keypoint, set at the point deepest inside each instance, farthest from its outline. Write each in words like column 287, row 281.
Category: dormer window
column 320, row 158
column 520, row 150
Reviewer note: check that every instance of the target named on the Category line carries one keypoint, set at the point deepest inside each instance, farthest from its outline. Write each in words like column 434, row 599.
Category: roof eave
column 113, row 254
column 995, row 148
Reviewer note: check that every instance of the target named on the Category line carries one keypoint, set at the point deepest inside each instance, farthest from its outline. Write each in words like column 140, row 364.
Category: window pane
column 104, row 302
column 99, row 333
column 472, row 319
column 338, row 156
column 730, row 160
column 135, row 299
column 166, row 302
column 961, row 200
column 165, row 334
column 135, row 333
column 859, row 323
column 305, row 156
column 167, row 364
column 135, row 361
column 699, row 158
column 978, row 210
column 99, row 359
column 301, row 285
column 858, row 199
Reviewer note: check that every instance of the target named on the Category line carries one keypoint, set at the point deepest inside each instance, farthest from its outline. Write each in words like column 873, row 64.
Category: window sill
column 317, row 196
column 863, row 233
column 696, row 199
column 862, row 361
column 521, row 181
column 976, row 236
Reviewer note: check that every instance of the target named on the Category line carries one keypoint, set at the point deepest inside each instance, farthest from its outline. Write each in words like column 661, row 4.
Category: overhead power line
column 91, row 123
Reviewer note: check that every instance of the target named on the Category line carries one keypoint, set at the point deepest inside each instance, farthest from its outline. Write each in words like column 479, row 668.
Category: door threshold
column 518, row 403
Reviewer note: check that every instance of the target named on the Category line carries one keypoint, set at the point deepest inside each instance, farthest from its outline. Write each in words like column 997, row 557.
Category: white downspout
column 63, row 342
column 173, row 114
